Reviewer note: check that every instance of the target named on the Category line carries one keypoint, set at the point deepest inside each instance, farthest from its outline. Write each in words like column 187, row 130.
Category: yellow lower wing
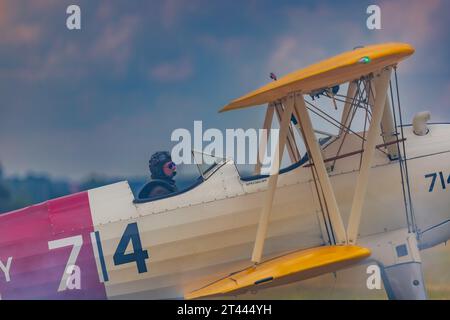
column 291, row 267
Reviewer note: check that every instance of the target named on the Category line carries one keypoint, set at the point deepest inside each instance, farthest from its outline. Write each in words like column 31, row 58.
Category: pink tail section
column 35, row 271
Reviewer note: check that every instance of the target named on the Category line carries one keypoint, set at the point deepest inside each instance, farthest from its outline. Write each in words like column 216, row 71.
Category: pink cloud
column 173, row 71
column 57, row 62
column 310, row 36
column 111, row 46
column 13, row 31
column 290, row 54
column 230, row 46
column 115, row 41
column 285, row 56
column 173, row 11
column 3, row 12
column 412, row 21
column 169, row 12
column 445, row 100
column 311, row 30
column 43, row 4
column 416, row 22
column 21, row 34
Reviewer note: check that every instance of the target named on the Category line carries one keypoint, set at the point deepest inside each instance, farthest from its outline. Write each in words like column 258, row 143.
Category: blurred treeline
column 18, row 192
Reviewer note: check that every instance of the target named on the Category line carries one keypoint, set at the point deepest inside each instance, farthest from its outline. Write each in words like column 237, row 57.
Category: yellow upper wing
column 345, row 67
column 294, row 266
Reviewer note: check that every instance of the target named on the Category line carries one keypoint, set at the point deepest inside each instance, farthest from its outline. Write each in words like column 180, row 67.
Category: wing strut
column 381, row 86
column 292, row 149
column 345, row 119
column 295, row 103
column 317, row 159
column 263, row 140
column 272, row 183
column 387, row 125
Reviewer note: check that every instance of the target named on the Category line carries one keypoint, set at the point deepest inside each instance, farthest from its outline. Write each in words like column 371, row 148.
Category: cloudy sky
column 103, row 98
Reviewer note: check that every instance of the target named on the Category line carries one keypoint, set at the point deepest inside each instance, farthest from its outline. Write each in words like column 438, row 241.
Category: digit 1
column 441, row 176
column 98, row 252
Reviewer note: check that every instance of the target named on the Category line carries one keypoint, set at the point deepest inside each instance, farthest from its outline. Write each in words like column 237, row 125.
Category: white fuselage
column 207, row 232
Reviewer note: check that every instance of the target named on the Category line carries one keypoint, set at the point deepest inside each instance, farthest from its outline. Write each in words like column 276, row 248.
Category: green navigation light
column 364, row 60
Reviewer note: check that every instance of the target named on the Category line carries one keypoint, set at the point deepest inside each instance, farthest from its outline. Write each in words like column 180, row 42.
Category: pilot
column 162, row 170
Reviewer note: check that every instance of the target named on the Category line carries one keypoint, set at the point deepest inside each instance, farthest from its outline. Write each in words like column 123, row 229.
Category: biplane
column 373, row 194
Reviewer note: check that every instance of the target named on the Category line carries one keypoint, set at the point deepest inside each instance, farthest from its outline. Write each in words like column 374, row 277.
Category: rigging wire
column 321, row 195
column 400, row 159
column 404, row 153
column 330, row 117
column 353, row 110
column 365, row 121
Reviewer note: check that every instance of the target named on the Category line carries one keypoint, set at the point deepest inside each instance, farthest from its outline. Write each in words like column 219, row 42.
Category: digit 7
column 76, row 242
column 433, row 181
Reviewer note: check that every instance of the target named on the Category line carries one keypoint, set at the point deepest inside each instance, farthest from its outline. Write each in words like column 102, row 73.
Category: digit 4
column 138, row 255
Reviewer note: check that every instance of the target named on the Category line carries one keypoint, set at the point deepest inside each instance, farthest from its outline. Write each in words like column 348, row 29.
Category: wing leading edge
column 295, row 266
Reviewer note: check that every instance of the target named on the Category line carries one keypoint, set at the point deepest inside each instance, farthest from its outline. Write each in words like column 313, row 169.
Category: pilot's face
column 170, row 169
